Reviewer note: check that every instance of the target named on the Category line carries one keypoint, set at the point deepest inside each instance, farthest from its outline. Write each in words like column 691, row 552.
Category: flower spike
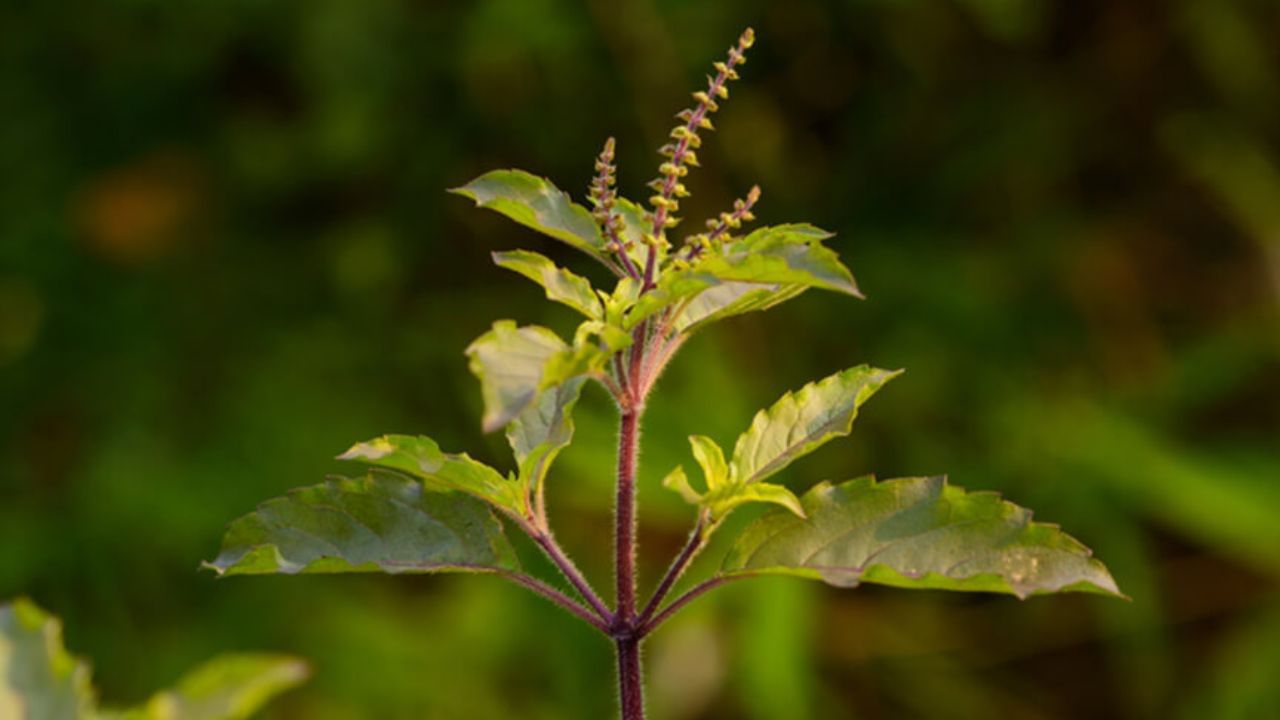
column 604, row 196
column 680, row 156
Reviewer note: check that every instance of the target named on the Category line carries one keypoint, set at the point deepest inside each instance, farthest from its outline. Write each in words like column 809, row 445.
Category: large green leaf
column 917, row 533
column 420, row 456
column 560, row 285
column 800, row 422
column 538, row 204
column 545, row 427
column 229, row 687
column 39, row 679
column 383, row 522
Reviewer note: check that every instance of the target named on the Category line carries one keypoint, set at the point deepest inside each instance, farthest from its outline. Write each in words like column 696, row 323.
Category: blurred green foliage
column 226, row 253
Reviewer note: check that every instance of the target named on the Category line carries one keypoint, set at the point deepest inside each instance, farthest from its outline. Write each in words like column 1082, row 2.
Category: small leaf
column 721, row 502
column 678, row 481
column 538, row 204
column 39, row 679
column 783, row 254
column 542, row 430
column 229, row 687
column 800, row 422
column 917, row 533
column 560, row 285
column 421, row 457
column 382, row 522
column 711, row 458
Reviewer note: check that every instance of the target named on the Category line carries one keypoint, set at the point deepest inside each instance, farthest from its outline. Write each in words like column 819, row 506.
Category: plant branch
column 561, row 560
column 559, row 598
column 689, row 596
column 625, row 516
column 678, row 566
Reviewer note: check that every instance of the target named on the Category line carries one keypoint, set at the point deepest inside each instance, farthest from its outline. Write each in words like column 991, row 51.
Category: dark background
column 226, row 254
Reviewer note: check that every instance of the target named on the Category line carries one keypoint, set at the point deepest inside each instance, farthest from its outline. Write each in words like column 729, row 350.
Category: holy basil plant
column 420, row 508
column 40, row 680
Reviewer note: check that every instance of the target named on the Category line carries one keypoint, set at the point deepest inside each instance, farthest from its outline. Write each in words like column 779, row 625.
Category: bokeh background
column 226, row 254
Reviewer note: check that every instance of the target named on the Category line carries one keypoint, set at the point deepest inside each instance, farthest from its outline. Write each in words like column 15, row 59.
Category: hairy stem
column 689, row 596
column 677, row 568
column 570, row 571
column 630, row 679
column 625, row 516
column 557, row 597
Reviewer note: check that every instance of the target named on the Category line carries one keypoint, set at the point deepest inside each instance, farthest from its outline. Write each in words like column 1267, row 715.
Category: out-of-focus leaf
column 515, row 364
column 510, row 363
column 383, row 522
column 917, row 533
column 560, row 285
column 228, row 687
column 636, row 222
column 545, row 427
column 802, row 421
column 538, row 204
column 39, row 679
column 421, row 457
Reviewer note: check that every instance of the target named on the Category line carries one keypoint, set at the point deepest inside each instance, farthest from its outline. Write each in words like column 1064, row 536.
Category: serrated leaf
column 723, row 492
column 229, row 687
column 559, row 284
column 382, row 522
column 39, row 679
column 800, row 422
column 783, row 255
column 538, row 204
column 917, row 533
column 421, row 457
column 542, row 430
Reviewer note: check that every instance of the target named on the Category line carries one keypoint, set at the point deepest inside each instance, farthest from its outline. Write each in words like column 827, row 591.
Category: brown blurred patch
column 142, row 210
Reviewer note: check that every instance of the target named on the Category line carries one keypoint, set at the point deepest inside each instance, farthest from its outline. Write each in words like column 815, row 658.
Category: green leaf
column 383, row 522
column 229, row 687
column 723, row 492
column 722, row 501
column 545, row 427
column 515, row 365
column 510, row 363
column 917, row 533
column 39, row 679
column 421, row 457
column 560, row 285
column 800, row 422
column 711, row 459
column 732, row 298
column 538, row 204
column 783, row 254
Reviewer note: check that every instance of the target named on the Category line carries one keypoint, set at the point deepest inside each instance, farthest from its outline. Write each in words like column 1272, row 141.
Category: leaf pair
column 40, row 680
column 796, row 425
